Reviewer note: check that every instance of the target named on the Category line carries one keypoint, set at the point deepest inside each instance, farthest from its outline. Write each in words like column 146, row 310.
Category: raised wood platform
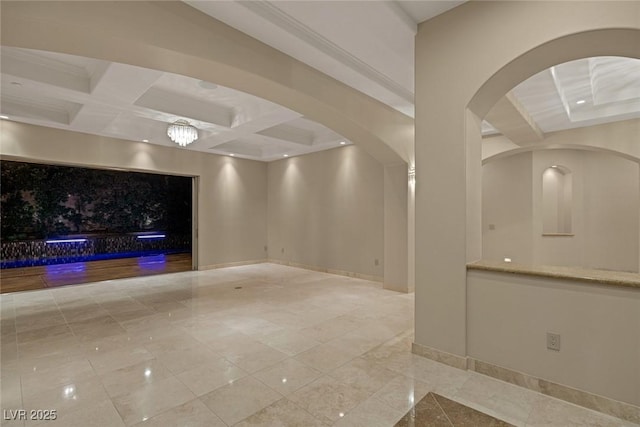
column 29, row 278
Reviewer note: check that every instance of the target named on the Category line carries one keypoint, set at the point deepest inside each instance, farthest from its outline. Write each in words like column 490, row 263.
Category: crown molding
column 283, row 20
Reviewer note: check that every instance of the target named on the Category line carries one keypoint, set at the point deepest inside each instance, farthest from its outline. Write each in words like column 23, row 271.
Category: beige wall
column 605, row 210
column 232, row 203
column 507, row 209
column 326, row 210
column 612, row 212
column 396, row 228
column 509, row 316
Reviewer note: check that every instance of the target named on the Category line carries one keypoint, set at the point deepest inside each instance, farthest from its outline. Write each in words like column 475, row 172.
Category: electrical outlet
column 282, row 250
column 376, row 262
column 553, row 341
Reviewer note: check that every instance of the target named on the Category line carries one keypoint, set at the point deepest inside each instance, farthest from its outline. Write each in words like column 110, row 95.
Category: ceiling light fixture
column 4, row 117
column 580, row 102
column 182, row 133
column 343, row 143
column 285, row 155
column 232, row 155
column 145, row 140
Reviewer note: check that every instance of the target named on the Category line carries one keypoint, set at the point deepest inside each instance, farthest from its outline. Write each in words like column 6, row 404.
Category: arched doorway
column 466, row 60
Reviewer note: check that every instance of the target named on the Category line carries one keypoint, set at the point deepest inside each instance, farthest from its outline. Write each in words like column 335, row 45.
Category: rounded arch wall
column 466, row 59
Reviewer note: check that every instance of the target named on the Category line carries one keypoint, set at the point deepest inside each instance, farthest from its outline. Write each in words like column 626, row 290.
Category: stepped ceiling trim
column 278, row 17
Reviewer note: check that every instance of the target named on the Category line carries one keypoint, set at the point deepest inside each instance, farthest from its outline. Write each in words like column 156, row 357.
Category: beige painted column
column 473, row 139
column 411, row 214
column 396, row 228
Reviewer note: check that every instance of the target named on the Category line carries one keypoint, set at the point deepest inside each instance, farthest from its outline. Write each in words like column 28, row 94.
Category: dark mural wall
column 42, row 201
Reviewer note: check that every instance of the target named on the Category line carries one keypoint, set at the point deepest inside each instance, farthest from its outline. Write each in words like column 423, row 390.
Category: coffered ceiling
column 122, row 101
column 583, row 93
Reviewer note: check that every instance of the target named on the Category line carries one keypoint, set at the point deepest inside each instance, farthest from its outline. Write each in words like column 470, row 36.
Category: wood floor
column 29, row 278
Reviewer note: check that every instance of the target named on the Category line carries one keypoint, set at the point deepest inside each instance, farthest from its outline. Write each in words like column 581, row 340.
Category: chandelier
column 182, row 133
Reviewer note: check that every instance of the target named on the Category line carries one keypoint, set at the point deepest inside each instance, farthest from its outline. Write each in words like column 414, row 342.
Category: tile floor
column 435, row 410
column 260, row 345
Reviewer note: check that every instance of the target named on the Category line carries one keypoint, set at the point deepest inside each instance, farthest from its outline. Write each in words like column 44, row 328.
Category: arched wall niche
column 557, row 197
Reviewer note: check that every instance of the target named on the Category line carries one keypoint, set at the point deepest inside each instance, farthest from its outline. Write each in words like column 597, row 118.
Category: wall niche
column 557, row 199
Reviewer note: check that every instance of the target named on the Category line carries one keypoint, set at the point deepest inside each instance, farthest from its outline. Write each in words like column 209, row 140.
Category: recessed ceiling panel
column 583, row 93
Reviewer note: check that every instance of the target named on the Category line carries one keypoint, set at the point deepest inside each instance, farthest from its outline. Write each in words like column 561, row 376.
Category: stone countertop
column 600, row 277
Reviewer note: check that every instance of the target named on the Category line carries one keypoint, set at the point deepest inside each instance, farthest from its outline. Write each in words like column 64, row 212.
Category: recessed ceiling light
column 232, row 155
column 285, row 155
column 4, row 117
column 554, row 166
column 580, row 102
column 343, row 143
column 145, row 140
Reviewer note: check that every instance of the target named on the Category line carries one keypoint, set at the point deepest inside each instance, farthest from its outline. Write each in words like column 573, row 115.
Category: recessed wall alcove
column 557, row 197
column 584, row 212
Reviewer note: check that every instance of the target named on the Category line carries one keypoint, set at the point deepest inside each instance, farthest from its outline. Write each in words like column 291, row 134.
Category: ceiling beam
column 29, row 66
column 122, row 82
column 186, row 106
column 290, row 134
column 510, row 118
column 59, row 112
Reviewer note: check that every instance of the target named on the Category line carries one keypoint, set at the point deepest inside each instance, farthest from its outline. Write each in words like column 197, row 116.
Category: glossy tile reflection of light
column 291, row 347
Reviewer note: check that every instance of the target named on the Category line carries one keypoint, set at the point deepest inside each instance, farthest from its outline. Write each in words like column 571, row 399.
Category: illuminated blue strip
column 152, row 236
column 66, row 241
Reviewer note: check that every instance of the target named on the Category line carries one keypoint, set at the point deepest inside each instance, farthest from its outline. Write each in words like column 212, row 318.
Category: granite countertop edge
column 593, row 276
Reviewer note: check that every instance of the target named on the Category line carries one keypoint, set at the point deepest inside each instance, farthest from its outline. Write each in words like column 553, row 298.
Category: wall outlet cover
column 553, row 341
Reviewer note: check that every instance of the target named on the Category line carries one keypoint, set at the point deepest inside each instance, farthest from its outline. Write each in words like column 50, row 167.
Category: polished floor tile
column 151, row 399
column 328, row 399
column 281, row 413
column 436, row 410
column 191, row 414
column 213, row 374
column 370, row 413
column 288, row 376
column 259, row 345
column 240, row 399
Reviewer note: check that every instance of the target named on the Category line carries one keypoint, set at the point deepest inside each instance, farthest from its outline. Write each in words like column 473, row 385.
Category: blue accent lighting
column 152, row 236
column 50, row 242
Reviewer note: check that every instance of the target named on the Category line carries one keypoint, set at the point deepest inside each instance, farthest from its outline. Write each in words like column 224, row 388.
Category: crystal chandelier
column 182, row 133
